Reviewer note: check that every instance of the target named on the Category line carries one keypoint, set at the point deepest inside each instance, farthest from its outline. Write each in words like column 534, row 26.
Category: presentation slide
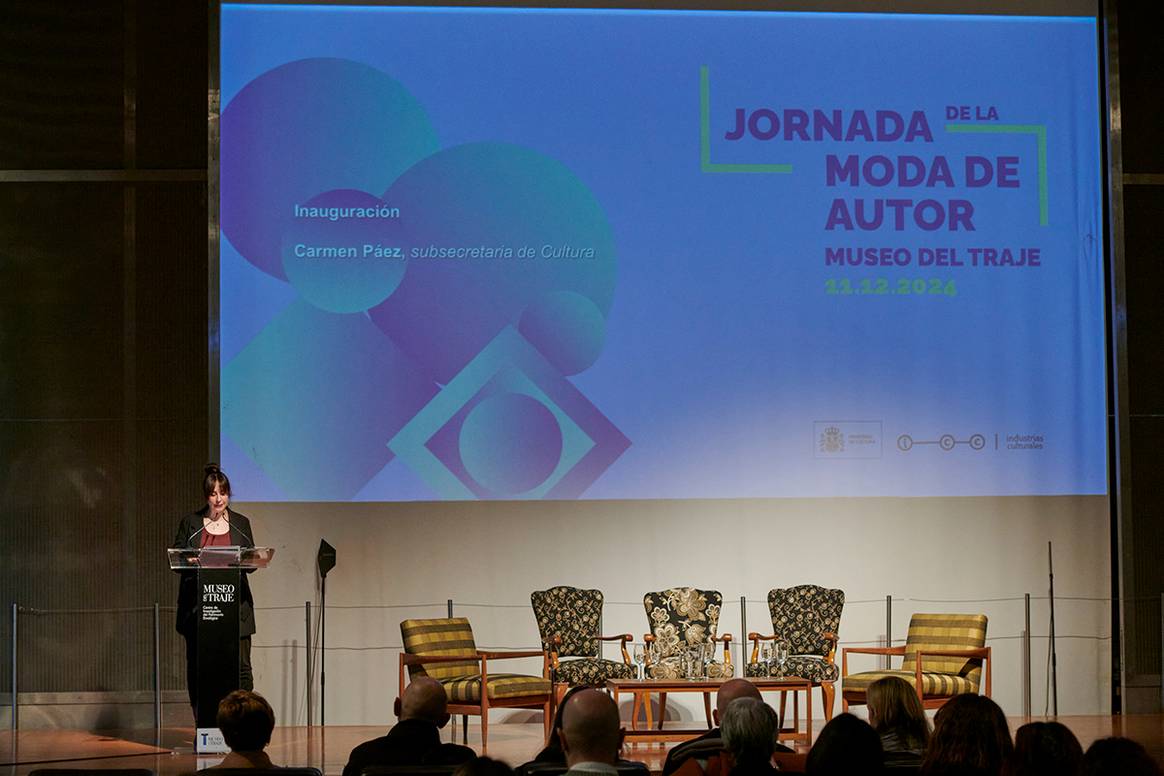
column 486, row 253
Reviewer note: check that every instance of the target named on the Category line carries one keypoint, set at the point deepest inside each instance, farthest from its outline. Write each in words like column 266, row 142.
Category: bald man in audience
column 415, row 739
column 591, row 734
column 706, row 743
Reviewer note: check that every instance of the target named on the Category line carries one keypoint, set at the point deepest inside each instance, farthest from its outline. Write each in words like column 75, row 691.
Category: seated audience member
column 1044, row 749
column 483, row 766
column 706, row 744
column 591, row 733
column 899, row 719
column 552, row 752
column 970, row 738
column 246, row 721
column 416, row 738
column 847, row 746
column 748, row 728
column 1122, row 756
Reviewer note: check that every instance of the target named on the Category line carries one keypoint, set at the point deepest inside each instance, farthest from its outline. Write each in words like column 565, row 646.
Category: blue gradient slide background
column 699, row 354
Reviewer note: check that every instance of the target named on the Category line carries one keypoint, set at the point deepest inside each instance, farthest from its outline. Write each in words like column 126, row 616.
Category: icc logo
column 832, row 440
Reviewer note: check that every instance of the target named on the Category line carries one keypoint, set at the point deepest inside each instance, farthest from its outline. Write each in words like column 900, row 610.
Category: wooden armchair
column 681, row 617
column 444, row 650
column 808, row 617
column 568, row 620
column 943, row 656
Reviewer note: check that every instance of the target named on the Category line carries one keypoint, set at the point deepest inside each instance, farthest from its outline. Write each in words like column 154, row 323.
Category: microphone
column 191, row 536
column 244, row 533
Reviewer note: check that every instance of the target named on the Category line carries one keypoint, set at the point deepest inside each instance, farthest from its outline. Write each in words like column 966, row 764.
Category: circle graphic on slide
column 946, row 442
column 904, row 442
column 306, row 127
column 348, row 264
column 510, row 443
column 977, row 442
column 491, row 230
column 567, row 328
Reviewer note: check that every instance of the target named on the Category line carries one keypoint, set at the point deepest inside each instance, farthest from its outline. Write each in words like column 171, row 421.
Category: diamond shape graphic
column 590, row 442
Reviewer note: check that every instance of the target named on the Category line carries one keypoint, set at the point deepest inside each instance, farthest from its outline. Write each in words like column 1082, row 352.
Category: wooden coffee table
column 642, row 689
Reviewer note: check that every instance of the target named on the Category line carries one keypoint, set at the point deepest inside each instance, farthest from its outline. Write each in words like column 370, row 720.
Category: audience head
column 246, row 721
column 591, row 730
column 894, row 707
column 483, row 766
column 1111, row 756
column 1045, row 749
column 970, row 737
column 748, row 728
column 729, row 691
column 424, row 699
column 847, row 746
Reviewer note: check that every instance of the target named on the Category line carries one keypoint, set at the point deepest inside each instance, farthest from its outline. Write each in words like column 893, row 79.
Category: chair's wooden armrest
column 756, row 638
column 500, row 655
column 874, row 650
column 727, row 647
column 866, row 651
column 830, row 636
column 409, row 659
column 983, row 652
column 623, row 639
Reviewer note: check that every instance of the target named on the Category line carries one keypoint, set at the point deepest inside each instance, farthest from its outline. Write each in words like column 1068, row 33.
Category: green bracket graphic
column 705, row 163
column 1040, row 133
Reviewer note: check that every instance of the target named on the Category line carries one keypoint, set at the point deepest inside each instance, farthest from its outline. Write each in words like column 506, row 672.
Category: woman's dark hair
column 214, row 476
column 1045, row 749
column 246, row 721
column 846, row 745
column 894, row 707
column 1121, row 756
column 970, row 737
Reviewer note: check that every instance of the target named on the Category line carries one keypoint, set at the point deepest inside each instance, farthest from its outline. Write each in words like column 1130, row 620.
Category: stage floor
column 328, row 748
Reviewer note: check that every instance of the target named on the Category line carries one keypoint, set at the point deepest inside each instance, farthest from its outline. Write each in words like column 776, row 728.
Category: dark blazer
column 409, row 742
column 190, row 536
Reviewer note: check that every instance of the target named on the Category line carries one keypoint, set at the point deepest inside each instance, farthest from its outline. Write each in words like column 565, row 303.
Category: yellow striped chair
column 943, row 656
column 444, row 650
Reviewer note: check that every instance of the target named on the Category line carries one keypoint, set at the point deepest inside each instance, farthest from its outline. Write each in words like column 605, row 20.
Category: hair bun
column 212, row 468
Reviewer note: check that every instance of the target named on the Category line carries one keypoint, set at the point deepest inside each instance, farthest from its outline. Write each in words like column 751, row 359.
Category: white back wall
column 932, row 555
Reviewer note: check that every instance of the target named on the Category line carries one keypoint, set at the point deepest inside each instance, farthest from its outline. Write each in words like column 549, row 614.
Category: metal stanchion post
column 15, row 705
column 450, row 605
column 743, row 633
column 157, row 676
column 888, row 628
column 307, row 650
column 1027, row 658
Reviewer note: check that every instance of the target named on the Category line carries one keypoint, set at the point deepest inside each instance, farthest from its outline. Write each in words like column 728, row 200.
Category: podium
column 219, row 571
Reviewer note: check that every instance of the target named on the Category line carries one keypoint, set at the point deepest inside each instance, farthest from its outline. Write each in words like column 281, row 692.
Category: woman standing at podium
column 214, row 525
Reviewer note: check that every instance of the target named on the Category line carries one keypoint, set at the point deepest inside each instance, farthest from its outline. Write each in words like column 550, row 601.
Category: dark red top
column 210, row 540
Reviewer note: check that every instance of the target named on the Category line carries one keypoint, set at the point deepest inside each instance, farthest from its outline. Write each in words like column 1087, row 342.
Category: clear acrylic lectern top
column 221, row 558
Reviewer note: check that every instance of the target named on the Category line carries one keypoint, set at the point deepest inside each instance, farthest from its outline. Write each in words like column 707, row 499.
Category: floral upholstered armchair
column 808, row 618
column 681, row 618
column 568, row 620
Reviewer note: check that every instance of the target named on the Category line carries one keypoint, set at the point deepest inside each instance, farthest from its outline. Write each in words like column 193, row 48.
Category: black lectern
column 219, row 588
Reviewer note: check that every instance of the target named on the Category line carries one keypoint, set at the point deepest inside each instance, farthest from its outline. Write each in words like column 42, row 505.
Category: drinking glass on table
column 640, row 657
column 781, row 655
column 766, row 659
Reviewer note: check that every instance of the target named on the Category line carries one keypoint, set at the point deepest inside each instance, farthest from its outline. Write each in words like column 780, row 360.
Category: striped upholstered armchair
column 943, row 656
column 444, row 650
